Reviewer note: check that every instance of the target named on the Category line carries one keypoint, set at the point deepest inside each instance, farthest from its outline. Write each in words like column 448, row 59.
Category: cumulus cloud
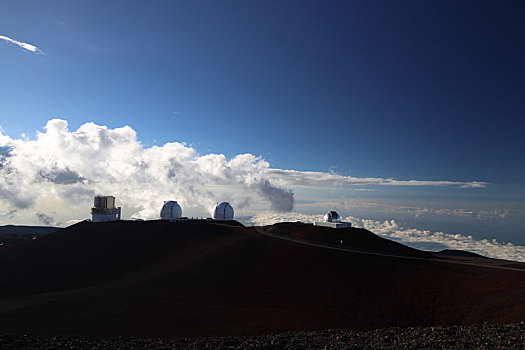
column 419, row 239
column 63, row 169
column 428, row 240
column 270, row 218
column 72, row 166
column 281, row 200
column 45, row 219
column 25, row 46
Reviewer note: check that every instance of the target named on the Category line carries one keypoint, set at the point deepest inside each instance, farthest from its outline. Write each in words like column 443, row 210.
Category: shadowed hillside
column 156, row 278
column 355, row 238
column 10, row 234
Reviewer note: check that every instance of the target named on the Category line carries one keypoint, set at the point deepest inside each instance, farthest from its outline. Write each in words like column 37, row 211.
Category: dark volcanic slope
column 354, row 238
column 159, row 278
column 458, row 253
column 10, row 234
column 89, row 253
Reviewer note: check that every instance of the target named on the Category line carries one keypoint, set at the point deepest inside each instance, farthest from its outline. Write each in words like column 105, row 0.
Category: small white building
column 171, row 210
column 222, row 211
column 104, row 209
column 333, row 220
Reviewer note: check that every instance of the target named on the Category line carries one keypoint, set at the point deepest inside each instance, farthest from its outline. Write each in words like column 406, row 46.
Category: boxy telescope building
column 104, row 209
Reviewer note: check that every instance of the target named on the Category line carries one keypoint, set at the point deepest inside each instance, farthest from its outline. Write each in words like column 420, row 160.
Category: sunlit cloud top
column 61, row 169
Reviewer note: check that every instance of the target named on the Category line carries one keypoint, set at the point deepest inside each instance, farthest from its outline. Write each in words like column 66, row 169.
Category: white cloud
column 420, row 239
column 61, row 170
column 395, row 208
column 320, row 179
column 23, row 45
column 434, row 241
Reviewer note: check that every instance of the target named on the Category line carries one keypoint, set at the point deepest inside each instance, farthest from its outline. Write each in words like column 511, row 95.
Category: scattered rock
column 490, row 336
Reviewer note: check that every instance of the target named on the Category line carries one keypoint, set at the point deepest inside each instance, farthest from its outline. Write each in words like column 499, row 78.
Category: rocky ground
column 485, row 336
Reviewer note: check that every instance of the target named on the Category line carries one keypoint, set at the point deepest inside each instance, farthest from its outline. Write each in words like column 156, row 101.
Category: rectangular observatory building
column 104, row 209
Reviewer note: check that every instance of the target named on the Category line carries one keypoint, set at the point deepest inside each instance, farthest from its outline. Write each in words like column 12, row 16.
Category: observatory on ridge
column 171, row 210
column 222, row 211
column 104, row 209
column 333, row 220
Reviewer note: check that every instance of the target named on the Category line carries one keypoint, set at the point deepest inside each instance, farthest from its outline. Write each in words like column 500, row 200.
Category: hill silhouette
column 10, row 234
column 203, row 278
column 355, row 238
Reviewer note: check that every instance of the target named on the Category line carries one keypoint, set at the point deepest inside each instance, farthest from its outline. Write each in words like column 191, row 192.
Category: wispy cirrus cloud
column 321, row 179
column 25, row 46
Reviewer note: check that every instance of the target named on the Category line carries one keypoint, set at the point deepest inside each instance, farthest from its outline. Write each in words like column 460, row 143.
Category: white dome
column 170, row 210
column 332, row 216
column 223, row 211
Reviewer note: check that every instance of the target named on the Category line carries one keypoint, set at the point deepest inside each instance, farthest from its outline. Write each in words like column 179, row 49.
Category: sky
column 408, row 111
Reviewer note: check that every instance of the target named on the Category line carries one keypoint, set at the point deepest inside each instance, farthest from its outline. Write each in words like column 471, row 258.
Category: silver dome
column 223, row 211
column 170, row 210
column 332, row 216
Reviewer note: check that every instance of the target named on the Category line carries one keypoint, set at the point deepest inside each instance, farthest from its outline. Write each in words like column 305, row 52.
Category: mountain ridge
column 159, row 278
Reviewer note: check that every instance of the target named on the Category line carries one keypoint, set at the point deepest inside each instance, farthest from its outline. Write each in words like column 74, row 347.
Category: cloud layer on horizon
column 396, row 208
column 415, row 238
column 61, row 170
column 25, row 46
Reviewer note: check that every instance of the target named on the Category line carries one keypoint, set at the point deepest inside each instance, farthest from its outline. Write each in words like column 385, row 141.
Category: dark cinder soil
column 354, row 238
column 203, row 279
column 485, row 336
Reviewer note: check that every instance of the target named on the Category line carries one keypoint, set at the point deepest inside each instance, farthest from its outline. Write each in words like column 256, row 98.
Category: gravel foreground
column 485, row 336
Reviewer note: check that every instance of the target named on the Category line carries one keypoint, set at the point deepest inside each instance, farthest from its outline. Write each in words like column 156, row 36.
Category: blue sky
column 404, row 90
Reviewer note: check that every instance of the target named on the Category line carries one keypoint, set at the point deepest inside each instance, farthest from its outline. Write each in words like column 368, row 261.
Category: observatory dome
column 170, row 210
column 223, row 211
column 332, row 216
